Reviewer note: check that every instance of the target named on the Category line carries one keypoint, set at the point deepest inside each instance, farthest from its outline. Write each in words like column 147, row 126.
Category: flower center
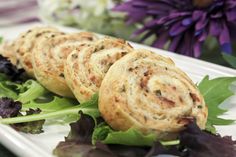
column 202, row 3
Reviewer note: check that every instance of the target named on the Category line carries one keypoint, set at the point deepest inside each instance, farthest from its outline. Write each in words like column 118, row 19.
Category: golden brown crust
column 85, row 72
column 147, row 91
column 48, row 59
column 27, row 43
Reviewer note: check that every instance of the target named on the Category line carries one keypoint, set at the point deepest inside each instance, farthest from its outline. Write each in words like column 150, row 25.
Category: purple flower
column 184, row 25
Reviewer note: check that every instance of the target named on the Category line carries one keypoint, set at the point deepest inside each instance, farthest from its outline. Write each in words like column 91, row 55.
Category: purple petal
column 197, row 33
column 177, row 29
column 202, row 22
column 174, row 43
column 226, row 48
column 224, row 35
column 123, row 7
column 232, row 27
column 186, row 45
column 217, row 15
column 231, row 14
column 197, row 15
column 177, row 15
column 230, row 4
column 161, row 40
column 151, row 23
column 202, row 37
column 187, row 21
column 136, row 16
column 141, row 3
column 163, row 7
column 224, row 40
column 197, row 49
column 215, row 28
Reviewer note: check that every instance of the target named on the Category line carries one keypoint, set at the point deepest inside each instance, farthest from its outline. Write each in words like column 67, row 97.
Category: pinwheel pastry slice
column 7, row 50
column 86, row 67
column 26, row 42
column 148, row 92
column 49, row 56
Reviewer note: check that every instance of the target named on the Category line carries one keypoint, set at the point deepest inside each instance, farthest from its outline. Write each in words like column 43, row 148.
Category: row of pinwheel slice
column 137, row 88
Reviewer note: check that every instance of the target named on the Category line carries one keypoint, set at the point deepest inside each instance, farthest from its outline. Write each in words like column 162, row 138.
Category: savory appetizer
column 48, row 59
column 25, row 45
column 131, row 102
column 148, row 92
column 92, row 63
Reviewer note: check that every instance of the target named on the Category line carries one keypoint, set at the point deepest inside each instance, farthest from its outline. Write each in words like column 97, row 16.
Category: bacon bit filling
column 194, row 97
column 62, row 75
column 185, row 120
column 167, row 102
column 180, row 99
column 158, row 93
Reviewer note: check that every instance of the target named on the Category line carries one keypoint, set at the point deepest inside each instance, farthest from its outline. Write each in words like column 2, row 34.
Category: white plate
column 41, row 145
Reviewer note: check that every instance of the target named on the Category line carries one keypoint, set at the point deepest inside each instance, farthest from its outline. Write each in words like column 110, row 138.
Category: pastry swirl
column 49, row 56
column 26, row 43
column 148, row 92
column 86, row 67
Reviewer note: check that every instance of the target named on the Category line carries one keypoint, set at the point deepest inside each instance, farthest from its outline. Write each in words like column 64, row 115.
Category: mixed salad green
column 26, row 105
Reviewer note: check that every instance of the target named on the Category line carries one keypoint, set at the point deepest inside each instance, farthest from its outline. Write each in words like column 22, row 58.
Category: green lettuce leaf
column 35, row 127
column 78, row 143
column 215, row 92
column 23, row 92
column 230, row 59
column 90, row 107
column 3, row 77
column 50, row 103
column 132, row 137
column 7, row 91
column 7, row 88
column 30, row 90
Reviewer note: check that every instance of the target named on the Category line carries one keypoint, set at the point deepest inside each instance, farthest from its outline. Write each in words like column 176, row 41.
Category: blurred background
column 204, row 29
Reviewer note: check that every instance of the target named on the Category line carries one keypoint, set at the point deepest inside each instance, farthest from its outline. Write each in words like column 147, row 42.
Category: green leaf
column 35, row 127
column 30, row 91
column 7, row 88
column 132, row 137
column 210, row 127
column 53, row 103
column 6, row 92
column 230, row 59
column 216, row 91
column 90, row 107
column 3, row 77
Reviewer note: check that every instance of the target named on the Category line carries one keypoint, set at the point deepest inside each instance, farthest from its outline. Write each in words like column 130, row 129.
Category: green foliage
column 35, row 127
column 230, row 59
column 7, row 88
column 131, row 137
column 50, row 103
column 90, row 107
column 30, row 90
column 216, row 91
